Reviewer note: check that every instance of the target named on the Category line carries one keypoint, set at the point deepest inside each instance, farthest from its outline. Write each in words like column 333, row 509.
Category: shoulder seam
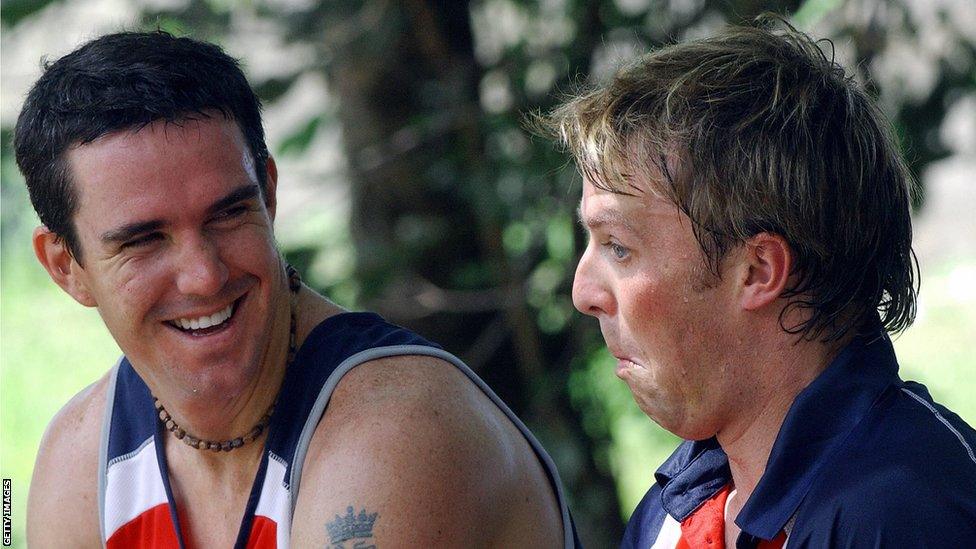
column 944, row 421
column 129, row 455
column 375, row 353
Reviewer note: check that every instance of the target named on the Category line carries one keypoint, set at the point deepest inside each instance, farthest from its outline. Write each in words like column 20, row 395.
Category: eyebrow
column 130, row 230
column 604, row 218
column 125, row 232
column 240, row 194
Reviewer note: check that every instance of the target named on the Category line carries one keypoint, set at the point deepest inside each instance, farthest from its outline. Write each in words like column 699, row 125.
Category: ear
column 57, row 260
column 271, row 187
column 768, row 261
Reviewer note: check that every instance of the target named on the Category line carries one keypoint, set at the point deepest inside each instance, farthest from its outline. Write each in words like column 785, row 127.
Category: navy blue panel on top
column 694, row 473
column 819, row 424
column 327, row 346
column 645, row 522
column 862, row 459
column 133, row 415
column 330, row 343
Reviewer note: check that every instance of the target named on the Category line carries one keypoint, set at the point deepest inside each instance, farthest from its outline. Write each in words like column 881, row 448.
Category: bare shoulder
column 62, row 508
column 412, row 440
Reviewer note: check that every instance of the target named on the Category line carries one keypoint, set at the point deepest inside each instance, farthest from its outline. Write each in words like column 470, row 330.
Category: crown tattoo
column 351, row 526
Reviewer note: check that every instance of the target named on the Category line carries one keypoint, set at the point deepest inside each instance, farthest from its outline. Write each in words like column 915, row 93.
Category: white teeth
column 205, row 321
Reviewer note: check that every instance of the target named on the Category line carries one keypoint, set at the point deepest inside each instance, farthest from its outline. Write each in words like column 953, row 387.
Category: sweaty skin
column 173, row 226
column 704, row 355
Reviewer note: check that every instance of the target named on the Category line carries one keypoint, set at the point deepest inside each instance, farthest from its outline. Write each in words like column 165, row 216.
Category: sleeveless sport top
column 136, row 507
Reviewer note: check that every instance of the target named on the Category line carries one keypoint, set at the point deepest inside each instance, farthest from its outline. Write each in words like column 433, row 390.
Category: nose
column 591, row 294
column 201, row 271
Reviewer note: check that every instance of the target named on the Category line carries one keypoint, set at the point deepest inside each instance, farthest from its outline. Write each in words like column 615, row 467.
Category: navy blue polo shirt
column 863, row 459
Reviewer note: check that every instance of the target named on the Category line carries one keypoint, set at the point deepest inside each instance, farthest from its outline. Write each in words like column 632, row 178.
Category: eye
column 618, row 252
column 142, row 241
column 231, row 213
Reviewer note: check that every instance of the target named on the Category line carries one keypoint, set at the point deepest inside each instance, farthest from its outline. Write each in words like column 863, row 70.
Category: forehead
column 163, row 160
column 214, row 137
column 638, row 212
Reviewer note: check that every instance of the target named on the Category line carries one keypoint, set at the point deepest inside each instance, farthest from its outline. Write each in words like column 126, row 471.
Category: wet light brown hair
column 757, row 130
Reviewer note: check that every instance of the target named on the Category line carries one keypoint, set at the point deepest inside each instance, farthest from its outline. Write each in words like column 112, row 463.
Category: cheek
column 133, row 305
column 250, row 244
column 139, row 292
column 650, row 310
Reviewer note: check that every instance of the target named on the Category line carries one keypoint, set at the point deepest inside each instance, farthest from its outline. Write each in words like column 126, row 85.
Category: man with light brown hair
column 749, row 253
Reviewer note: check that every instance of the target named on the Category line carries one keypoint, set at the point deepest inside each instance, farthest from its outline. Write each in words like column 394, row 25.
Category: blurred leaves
column 13, row 11
column 298, row 142
column 462, row 225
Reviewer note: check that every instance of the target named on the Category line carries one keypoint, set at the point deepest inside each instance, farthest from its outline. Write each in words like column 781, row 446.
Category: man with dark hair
column 749, row 250
column 145, row 159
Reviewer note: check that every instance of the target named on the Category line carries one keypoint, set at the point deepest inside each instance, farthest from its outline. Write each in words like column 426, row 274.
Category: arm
column 62, row 506
column 423, row 459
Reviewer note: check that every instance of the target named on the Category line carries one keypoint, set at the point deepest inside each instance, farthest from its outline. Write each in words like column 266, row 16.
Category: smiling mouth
column 205, row 325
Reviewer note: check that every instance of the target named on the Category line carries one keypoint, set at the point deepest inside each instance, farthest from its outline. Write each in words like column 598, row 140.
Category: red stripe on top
column 152, row 529
column 264, row 534
column 706, row 526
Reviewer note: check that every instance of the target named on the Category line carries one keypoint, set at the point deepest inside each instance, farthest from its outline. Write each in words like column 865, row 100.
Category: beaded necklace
column 294, row 284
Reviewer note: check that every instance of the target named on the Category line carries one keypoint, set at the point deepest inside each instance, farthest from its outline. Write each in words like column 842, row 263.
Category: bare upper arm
column 62, row 507
column 414, row 441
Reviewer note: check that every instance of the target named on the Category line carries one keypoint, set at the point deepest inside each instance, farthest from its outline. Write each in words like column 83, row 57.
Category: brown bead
column 237, row 442
column 170, row 424
column 180, row 433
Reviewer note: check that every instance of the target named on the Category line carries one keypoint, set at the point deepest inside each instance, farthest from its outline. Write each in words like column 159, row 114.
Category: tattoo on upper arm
column 352, row 531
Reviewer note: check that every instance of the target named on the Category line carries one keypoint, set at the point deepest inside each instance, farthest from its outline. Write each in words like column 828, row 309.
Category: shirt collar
column 816, row 426
column 694, row 473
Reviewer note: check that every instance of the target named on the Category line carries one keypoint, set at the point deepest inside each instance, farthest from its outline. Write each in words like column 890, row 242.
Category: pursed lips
column 627, row 361
column 624, row 359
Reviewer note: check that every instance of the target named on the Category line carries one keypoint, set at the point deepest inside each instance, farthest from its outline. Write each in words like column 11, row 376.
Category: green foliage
column 299, row 141
column 13, row 11
column 812, row 11
column 51, row 346
column 450, row 190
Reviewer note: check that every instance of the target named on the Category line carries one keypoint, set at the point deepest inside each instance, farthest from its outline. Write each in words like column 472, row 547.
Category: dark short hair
column 124, row 81
column 757, row 130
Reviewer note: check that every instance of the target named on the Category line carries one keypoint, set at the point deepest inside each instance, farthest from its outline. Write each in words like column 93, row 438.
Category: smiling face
column 661, row 313
column 178, row 254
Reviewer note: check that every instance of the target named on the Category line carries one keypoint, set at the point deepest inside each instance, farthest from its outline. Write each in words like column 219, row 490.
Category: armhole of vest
column 103, row 447
column 318, row 409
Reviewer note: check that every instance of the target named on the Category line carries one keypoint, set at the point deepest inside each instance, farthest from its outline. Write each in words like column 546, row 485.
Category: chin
column 675, row 421
column 689, row 430
column 218, row 381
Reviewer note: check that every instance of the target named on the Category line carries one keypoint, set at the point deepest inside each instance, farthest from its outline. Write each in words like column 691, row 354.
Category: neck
column 782, row 369
column 227, row 416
